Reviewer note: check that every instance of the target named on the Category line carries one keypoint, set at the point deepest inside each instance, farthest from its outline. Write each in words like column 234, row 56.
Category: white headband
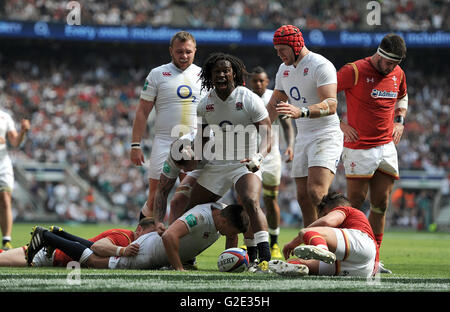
column 389, row 56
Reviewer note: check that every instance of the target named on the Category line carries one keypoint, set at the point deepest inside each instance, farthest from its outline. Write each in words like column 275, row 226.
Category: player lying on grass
column 104, row 244
column 340, row 242
column 186, row 238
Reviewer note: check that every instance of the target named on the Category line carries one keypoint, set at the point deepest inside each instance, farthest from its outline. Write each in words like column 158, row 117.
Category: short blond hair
column 182, row 36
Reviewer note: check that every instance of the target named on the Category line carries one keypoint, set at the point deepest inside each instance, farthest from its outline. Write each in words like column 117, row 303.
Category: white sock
column 261, row 237
column 85, row 255
column 249, row 242
column 7, row 238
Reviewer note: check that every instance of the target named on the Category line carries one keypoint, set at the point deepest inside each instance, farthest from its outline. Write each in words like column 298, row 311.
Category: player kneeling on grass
column 186, row 238
column 340, row 242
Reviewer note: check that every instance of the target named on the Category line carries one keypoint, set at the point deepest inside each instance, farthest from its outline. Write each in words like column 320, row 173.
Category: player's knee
column 250, row 204
column 315, row 196
column 270, row 194
column 378, row 209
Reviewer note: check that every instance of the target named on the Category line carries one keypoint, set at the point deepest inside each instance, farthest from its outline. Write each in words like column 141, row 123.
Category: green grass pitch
column 420, row 262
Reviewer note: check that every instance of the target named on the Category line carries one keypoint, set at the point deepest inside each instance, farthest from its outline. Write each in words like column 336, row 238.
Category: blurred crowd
column 239, row 14
column 82, row 114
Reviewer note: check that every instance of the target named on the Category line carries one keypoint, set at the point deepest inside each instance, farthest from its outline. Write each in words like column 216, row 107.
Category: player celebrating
column 340, row 242
column 232, row 111
column 271, row 166
column 174, row 90
column 308, row 81
column 375, row 90
column 9, row 133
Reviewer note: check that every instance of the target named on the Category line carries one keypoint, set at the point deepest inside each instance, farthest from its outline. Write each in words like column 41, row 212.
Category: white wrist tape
column 402, row 103
column 255, row 162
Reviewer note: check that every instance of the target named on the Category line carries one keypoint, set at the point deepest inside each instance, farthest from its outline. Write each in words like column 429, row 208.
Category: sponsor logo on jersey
column 167, row 74
column 191, row 220
column 166, row 167
column 383, row 94
column 286, row 73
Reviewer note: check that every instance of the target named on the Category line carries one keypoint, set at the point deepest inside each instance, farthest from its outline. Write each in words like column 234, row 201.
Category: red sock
column 314, row 238
column 379, row 238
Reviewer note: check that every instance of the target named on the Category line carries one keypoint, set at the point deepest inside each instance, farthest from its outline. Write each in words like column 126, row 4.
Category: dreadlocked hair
column 238, row 66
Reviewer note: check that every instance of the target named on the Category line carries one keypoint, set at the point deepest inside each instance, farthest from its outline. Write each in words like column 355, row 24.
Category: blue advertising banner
column 315, row 37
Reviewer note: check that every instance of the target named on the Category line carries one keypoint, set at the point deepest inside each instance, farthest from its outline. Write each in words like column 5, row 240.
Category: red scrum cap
column 291, row 36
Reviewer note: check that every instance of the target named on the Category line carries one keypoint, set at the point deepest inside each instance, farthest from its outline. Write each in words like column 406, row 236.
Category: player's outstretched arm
column 171, row 241
column 105, row 248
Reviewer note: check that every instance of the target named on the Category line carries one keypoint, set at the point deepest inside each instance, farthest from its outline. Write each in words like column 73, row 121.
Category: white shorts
column 151, row 255
column 219, row 178
column 271, row 169
column 362, row 163
column 6, row 176
column 355, row 255
column 160, row 150
column 317, row 151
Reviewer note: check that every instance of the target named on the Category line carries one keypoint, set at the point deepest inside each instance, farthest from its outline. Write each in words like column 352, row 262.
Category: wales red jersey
column 371, row 99
column 119, row 237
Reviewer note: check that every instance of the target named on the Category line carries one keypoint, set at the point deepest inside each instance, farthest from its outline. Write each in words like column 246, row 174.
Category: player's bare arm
column 327, row 106
column 16, row 138
column 350, row 133
column 332, row 219
column 264, row 128
column 165, row 184
column 231, row 241
column 171, row 241
column 289, row 137
column 399, row 118
column 277, row 97
column 105, row 248
column 139, row 126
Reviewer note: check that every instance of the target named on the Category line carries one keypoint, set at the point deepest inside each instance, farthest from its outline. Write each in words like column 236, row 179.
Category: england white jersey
column 300, row 85
column 232, row 121
column 176, row 94
column 6, row 125
column 202, row 234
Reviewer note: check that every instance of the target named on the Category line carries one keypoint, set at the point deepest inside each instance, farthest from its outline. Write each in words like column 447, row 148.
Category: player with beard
column 308, row 80
column 377, row 101
column 232, row 112
column 174, row 90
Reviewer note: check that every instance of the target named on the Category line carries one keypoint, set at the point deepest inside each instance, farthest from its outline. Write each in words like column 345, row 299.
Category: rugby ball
column 233, row 260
